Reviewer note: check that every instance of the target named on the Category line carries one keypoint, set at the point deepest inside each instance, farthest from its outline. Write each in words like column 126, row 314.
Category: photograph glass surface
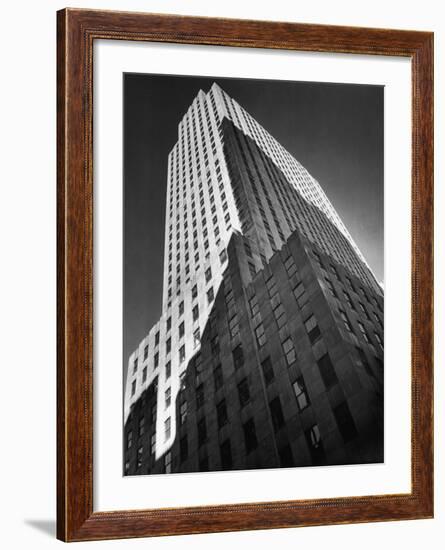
column 253, row 274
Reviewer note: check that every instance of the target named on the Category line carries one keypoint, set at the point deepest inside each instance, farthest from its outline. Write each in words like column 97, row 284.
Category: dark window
column 202, row 431
column 218, row 377
column 327, row 371
column 345, row 422
column 157, row 339
column 133, row 387
column 208, row 274
column 181, row 308
column 168, row 345
column 169, row 323
column 243, row 392
column 238, row 356
column 210, row 295
column 276, row 413
column 145, row 352
column 144, row 374
column 135, row 365
column 250, row 435
column 301, row 393
column 129, row 439
column 226, row 455
column 182, row 354
column 221, row 413
column 168, row 369
column 194, row 291
column 286, row 458
column 312, row 329
column 183, row 448
column 267, row 368
column 200, row 396
column 156, row 360
column 195, row 313
column 181, row 330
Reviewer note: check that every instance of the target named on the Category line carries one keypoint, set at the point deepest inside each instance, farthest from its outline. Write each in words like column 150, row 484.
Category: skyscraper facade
column 269, row 349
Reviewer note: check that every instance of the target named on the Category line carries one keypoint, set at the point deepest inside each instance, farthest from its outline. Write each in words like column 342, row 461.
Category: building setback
column 269, row 350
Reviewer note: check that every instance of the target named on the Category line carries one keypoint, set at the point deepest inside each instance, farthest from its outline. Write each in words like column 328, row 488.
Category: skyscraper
column 269, row 349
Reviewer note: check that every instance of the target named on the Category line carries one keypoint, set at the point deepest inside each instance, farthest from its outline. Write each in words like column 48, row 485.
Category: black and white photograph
column 253, row 274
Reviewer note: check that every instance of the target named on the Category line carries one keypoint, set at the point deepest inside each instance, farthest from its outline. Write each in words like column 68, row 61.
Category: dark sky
column 334, row 130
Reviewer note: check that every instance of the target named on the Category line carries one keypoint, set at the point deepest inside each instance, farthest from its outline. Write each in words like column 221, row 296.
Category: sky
column 334, row 130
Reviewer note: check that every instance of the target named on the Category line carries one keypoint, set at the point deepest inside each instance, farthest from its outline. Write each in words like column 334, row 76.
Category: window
column 194, row 292
column 221, row 413
column 260, row 335
column 226, row 455
column 133, row 388
column 145, row 352
column 286, row 458
column 289, row 351
column 280, row 315
column 327, row 371
column 290, row 266
column 144, row 374
column 330, row 287
column 267, row 369
column 208, row 274
column 300, row 295
column 276, row 413
column 223, row 256
column 379, row 340
column 181, row 330
column 169, row 324
column 243, row 392
column 139, row 456
column 182, row 412
column 183, row 448
column 200, row 396
column 135, row 365
column 233, row 326
column 167, row 428
column 156, row 360
column 312, row 329
column 300, row 393
column 363, row 331
column 196, row 338
column 210, row 295
column 254, row 307
column 157, row 339
column 168, row 397
column 218, row 377
column 238, row 356
column 168, row 346
column 182, row 354
column 168, row 463
column 250, row 439
column 345, row 320
column 195, row 313
column 315, row 445
column 214, row 345
column 168, row 370
column 181, row 308
column 348, row 300
column 345, row 422
column 202, row 432
column 129, row 439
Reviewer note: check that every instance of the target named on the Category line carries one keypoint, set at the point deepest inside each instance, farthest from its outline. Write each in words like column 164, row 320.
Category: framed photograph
column 245, row 229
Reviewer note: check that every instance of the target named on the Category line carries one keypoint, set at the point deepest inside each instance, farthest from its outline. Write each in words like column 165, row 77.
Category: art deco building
column 269, row 349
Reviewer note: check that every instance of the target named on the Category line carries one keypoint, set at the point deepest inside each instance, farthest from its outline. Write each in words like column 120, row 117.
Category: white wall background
column 28, row 297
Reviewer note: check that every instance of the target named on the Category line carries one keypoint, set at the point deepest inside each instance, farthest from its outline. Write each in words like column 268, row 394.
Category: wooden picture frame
column 76, row 32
